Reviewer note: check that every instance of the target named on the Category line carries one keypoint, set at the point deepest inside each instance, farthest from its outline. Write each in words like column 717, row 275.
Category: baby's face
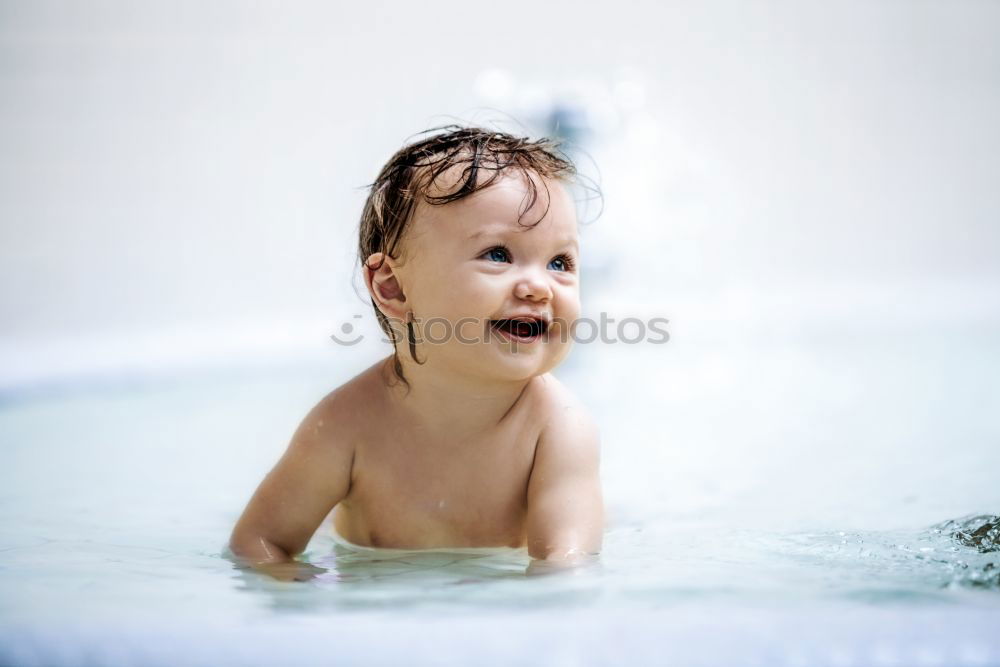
column 471, row 263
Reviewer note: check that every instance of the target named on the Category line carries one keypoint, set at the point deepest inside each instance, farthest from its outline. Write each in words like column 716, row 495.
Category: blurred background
column 807, row 191
column 184, row 180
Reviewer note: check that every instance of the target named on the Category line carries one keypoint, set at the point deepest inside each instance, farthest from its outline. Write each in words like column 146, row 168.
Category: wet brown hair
column 412, row 172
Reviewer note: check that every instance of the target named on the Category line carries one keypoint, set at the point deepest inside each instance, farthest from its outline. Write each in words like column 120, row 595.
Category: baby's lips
column 539, row 326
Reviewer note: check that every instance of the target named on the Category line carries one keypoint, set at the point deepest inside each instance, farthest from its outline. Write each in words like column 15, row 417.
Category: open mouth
column 522, row 329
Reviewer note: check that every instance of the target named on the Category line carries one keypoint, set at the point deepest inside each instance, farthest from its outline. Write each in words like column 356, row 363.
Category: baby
column 462, row 437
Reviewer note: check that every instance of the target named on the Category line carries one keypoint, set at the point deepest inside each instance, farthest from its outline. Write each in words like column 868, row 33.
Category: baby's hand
column 572, row 563
column 290, row 570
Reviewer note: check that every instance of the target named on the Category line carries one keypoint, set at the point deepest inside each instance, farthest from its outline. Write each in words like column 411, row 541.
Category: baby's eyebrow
column 487, row 232
column 569, row 240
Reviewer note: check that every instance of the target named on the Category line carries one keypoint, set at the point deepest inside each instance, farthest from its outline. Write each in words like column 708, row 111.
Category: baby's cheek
column 467, row 310
column 570, row 306
column 469, row 328
column 468, row 299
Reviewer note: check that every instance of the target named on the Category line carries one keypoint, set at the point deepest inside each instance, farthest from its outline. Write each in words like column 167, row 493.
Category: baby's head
column 462, row 230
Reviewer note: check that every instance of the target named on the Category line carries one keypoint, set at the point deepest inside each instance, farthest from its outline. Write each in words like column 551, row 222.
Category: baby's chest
column 474, row 496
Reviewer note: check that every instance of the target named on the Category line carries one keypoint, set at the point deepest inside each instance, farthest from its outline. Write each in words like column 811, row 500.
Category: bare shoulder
column 567, row 424
column 342, row 413
column 563, row 413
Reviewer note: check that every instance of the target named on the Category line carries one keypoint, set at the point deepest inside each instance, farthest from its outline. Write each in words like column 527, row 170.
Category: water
column 811, row 502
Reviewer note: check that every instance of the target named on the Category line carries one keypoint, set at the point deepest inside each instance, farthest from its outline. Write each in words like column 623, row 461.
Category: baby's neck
column 445, row 408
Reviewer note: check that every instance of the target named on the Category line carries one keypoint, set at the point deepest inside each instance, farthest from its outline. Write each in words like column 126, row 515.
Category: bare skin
column 487, row 449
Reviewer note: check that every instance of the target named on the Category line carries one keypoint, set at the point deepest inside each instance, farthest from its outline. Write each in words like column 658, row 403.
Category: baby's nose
column 533, row 287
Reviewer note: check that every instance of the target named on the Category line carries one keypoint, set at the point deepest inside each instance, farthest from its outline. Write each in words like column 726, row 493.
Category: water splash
column 981, row 532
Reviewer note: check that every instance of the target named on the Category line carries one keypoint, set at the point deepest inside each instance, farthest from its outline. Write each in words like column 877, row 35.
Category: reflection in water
column 341, row 578
column 867, row 566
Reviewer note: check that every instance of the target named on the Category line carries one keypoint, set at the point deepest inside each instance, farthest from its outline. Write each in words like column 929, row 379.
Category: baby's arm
column 312, row 476
column 565, row 523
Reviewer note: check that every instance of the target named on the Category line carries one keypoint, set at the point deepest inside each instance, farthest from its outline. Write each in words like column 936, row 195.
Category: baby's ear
column 383, row 285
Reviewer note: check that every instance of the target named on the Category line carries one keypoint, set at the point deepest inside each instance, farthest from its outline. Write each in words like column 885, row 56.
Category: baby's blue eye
column 566, row 261
column 563, row 263
column 498, row 249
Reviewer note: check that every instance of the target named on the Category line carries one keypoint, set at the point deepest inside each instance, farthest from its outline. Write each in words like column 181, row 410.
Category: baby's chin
column 519, row 365
column 498, row 361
